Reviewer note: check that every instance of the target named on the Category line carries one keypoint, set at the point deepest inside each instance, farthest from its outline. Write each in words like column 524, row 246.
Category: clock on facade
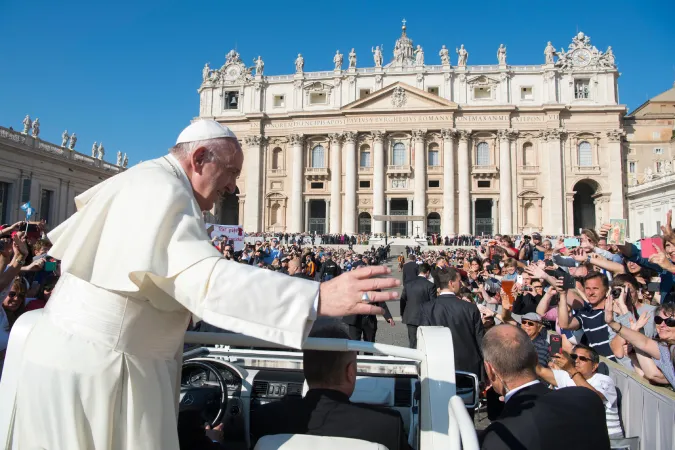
column 581, row 57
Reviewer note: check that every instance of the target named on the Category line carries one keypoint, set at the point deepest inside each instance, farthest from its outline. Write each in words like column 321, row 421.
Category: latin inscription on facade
column 345, row 121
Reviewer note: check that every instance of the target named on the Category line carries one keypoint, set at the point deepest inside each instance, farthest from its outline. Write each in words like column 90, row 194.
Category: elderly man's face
column 215, row 169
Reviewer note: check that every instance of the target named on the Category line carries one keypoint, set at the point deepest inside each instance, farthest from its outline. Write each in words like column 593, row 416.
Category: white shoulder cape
column 142, row 221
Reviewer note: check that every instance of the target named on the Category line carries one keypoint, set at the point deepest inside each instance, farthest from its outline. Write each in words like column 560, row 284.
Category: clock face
column 233, row 72
column 581, row 57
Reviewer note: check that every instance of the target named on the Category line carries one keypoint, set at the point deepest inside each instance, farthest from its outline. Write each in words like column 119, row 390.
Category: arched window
column 585, row 154
column 399, row 154
column 364, row 161
column 528, row 154
column 433, row 158
column 274, row 214
column 318, row 157
column 276, row 158
column 483, row 154
column 529, row 214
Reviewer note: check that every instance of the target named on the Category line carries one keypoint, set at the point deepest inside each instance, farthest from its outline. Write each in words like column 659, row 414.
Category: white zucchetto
column 203, row 130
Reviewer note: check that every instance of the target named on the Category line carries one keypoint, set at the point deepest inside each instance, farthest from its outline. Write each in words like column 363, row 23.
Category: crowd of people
column 573, row 304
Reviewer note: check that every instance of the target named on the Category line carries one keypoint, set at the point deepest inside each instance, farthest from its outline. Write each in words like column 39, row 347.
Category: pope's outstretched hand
column 342, row 296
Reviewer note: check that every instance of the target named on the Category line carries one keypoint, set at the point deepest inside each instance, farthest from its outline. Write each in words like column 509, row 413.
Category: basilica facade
column 452, row 148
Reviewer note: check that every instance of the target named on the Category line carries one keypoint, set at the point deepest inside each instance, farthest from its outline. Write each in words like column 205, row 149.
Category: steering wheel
column 202, row 397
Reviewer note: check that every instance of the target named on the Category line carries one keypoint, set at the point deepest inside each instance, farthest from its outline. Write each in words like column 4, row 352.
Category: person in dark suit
column 463, row 319
column 410, row 269
column 535, row 417
column 326, row 410
column 365, row 326
column 416, row 293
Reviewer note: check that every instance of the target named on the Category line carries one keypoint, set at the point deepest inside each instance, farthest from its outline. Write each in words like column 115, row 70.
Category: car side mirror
column 467, row 388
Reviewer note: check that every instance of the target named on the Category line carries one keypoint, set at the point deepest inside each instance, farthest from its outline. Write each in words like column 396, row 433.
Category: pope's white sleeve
column 248, row 300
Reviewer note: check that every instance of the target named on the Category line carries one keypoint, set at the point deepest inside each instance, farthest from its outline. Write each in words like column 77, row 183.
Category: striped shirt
column 596, row 330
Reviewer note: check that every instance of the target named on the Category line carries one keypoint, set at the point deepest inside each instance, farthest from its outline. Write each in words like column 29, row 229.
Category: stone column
column 329, row 220
column 616, row 205
column 297, row 182
column 495, row 215
column 379, row 166
column 505, row 194
column 389, row 213
column 419, row 207
column 335, row 183
column 448, row 226
column 556, row 207
column 306, row 229
column 464, row 171
column 473, row 228
column 410, row 231
column 569, row 229
column 350, row 184
column 253, row 184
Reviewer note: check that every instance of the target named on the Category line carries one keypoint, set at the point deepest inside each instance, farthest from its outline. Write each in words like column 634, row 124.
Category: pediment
column 482, row 80
column 317, row 86
column 400, row 96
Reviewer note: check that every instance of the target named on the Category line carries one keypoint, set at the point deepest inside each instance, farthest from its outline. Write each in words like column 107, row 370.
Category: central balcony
column 399, row 170
column 316, row 173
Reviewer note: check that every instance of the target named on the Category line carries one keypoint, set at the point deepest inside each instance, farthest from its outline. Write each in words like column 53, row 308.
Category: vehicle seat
column 369, row 390
column 310, row 442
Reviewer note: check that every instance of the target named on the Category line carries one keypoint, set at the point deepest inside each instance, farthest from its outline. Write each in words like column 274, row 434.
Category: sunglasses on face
column 670, row 322
column 574, row 357
column 529, row 323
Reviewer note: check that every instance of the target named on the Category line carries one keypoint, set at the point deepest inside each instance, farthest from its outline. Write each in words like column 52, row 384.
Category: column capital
column 378, row 136
column 419, row 135
column 507, row 134
column 615, row 135
column 349, row 136
column 554, row 134
column 296, row 139
column 449, row 133
column 255, row 140
column 464, row 135
column 335, row 138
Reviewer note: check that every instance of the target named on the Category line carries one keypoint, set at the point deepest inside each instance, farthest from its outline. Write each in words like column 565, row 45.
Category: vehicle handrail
column 326, row 344
column 462, row 423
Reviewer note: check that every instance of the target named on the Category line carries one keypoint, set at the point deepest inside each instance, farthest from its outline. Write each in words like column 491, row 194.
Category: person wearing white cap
column 99, row 367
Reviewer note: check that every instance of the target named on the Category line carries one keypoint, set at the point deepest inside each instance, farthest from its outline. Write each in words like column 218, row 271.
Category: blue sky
column 127, row 72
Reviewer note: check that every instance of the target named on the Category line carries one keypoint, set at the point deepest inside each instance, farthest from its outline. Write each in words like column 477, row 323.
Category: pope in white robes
column 99, row 369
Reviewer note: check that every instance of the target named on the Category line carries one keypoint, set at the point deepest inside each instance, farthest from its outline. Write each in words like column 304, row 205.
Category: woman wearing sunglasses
column 661, row 350
column 13, row 305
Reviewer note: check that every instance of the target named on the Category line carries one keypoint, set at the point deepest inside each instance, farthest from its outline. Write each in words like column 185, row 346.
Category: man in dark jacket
column 534, row 417
column 462, row 318
column 326, row 410
column 410, row 269
column 329, row 269
column 416, row 293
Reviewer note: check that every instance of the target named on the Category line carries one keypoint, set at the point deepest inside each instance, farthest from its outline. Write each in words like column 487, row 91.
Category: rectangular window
column 46, row 205
column 631, row 167
column 656, row 135
column 317, row 98
column 434, row 183
column 482, row 93
column 25, row 191
column 279, row 101
column 364, row 184
column 526, row 93
column 658, row 151
column 658, row 227
column 642, row 231
column 581, row 89
column 231, row 100
column 4, row 202
column 483, row 183
column 434, row 159
column 316, row 185
column 365, row 159
column 433, row 90
column 364, row 93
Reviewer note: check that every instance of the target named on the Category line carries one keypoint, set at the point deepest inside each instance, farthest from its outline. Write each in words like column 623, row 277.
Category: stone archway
column 228, row 212
column 365, row 223
column 584, row 205
column 433, row 223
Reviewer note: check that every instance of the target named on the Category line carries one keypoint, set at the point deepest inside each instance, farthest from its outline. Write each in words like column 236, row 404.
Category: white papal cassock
column 100, row 369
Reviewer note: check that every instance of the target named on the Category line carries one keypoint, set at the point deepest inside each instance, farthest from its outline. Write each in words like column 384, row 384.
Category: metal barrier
column 647, row 411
